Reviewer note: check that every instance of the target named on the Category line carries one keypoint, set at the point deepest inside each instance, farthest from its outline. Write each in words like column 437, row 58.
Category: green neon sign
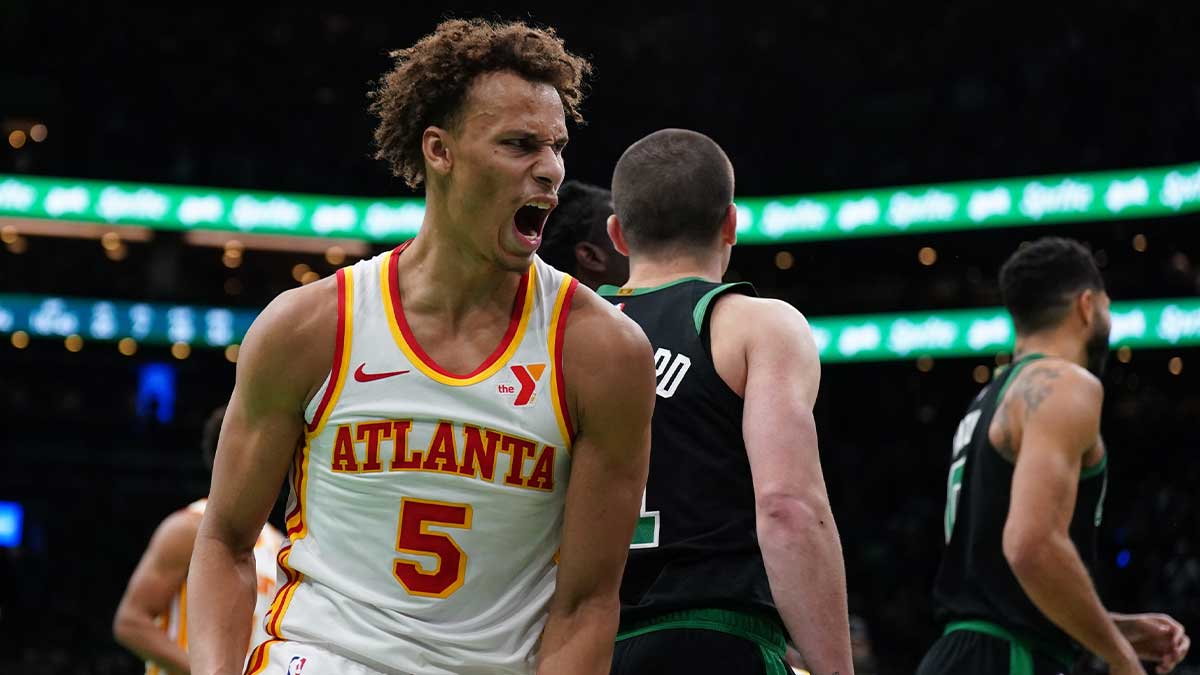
column 1137, row 193
column 876, row 337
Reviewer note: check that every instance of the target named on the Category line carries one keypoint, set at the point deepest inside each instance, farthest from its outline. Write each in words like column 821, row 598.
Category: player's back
column 174, row 622
column 975, row 584
column 426, row 506
column 695, row 545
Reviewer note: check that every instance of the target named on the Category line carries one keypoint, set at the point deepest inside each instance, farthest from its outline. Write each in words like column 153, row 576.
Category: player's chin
column 517, row 250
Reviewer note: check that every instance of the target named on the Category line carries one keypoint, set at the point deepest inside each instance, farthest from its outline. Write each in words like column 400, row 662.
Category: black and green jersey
column 975, row 585
column 695, row 544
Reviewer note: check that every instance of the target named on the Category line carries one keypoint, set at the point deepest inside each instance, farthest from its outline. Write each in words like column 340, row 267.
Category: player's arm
column 610, row 376
column 1060, row 405
column 159, row 576
column 278, row 362
column 796, row 530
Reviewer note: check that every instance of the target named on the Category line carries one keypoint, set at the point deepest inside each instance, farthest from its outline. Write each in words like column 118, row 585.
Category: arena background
column 97, row 446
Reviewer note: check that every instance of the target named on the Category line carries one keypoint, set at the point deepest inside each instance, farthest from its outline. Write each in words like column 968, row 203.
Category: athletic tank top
column 975, row 581
column 174, row 622
column 426, row 506
column 695, row 545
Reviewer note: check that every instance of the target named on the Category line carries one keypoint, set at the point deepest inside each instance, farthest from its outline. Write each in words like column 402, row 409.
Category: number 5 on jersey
column 413, row 536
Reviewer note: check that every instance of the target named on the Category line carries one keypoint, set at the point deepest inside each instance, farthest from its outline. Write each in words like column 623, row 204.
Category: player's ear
column 1085, row 306
column 729, row 225
column 617, row 235
column 435, row 145
column 589, row 256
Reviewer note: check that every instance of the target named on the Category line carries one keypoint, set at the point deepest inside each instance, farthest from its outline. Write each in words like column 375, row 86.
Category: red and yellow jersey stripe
column 402, row 333
column 557, row 333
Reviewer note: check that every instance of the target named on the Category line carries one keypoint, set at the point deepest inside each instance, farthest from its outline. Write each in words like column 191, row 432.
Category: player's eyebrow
column 532, row 137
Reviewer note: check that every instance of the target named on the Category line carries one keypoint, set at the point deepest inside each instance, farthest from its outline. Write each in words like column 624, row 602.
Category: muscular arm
column 1059, row 405
column 796, row 530
column 158, row 577
column 284, row 350
column 611, row 369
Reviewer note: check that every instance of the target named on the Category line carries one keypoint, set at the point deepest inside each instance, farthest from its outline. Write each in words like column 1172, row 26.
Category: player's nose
column 549, row 170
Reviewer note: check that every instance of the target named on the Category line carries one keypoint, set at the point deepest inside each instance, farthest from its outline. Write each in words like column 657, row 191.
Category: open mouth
column 530, row 219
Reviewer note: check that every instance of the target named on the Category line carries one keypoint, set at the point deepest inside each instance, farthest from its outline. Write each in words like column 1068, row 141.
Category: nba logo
column 296, row 665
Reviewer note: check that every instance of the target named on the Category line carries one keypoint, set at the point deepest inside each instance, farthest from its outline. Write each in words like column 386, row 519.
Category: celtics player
column 737, row 548
column 1026, row 493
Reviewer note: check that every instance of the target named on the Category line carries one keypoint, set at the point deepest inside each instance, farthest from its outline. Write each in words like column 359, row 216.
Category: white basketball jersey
column 174, row 622
column 426, row 507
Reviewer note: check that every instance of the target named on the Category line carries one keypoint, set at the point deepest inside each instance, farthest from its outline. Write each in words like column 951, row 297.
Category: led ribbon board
column 1087, row 197
column 876, row 337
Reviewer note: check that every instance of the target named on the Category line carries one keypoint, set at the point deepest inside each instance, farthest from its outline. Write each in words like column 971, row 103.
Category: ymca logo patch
column 524, row 388
column 296, row 665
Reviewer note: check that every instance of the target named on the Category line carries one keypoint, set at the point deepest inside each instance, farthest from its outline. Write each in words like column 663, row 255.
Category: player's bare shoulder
column 605, row 353
column 293, row 338
column 595, row 328
column 736, row 314
column 770, row 331
column 180, row 525
column 300, row 311
column 1051, row 380
column 1050, row 391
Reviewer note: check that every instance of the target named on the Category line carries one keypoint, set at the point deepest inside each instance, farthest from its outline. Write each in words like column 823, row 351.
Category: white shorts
column 282, row 657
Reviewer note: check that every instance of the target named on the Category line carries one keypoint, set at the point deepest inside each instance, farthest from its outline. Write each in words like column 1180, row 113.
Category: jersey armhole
column 557, row 336
column 702, row 312
column 326, row 396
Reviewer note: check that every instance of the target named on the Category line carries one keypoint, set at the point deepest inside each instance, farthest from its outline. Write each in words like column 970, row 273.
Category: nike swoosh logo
column 361, row 376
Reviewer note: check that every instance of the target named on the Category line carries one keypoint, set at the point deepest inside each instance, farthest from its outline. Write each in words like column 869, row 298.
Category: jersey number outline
column 953, row 492
column 413, row 536
column 962, row 438
column 669, row 372
column 645, row 534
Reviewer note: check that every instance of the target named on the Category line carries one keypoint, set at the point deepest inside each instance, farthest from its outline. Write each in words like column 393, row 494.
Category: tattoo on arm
column 1036, row 386
column 1006, row 442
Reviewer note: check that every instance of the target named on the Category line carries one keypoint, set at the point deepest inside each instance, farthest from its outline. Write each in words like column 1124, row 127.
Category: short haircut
column 671, row 189
column 1039, row 281
column 429, row 83
column 581, row 215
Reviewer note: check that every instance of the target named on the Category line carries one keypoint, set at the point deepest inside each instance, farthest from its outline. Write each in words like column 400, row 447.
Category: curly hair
column 430, row 80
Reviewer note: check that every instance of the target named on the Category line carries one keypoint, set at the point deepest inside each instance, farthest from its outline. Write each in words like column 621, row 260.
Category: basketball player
column 467, row 463
column 151, row 620
column 736, row 547
column 1026, row 490
column 576, row 239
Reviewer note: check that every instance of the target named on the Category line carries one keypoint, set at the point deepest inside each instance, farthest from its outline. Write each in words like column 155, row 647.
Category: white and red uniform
column 174, row 622
column 426, row 506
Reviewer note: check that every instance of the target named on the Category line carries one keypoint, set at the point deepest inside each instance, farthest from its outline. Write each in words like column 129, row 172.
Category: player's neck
column 1058, row 343
column 649, row 272
column 436, row 275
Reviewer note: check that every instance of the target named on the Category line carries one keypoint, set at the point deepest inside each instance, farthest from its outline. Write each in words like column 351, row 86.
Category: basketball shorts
column 701, row 642
column 984, row 648
column 282, row 657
